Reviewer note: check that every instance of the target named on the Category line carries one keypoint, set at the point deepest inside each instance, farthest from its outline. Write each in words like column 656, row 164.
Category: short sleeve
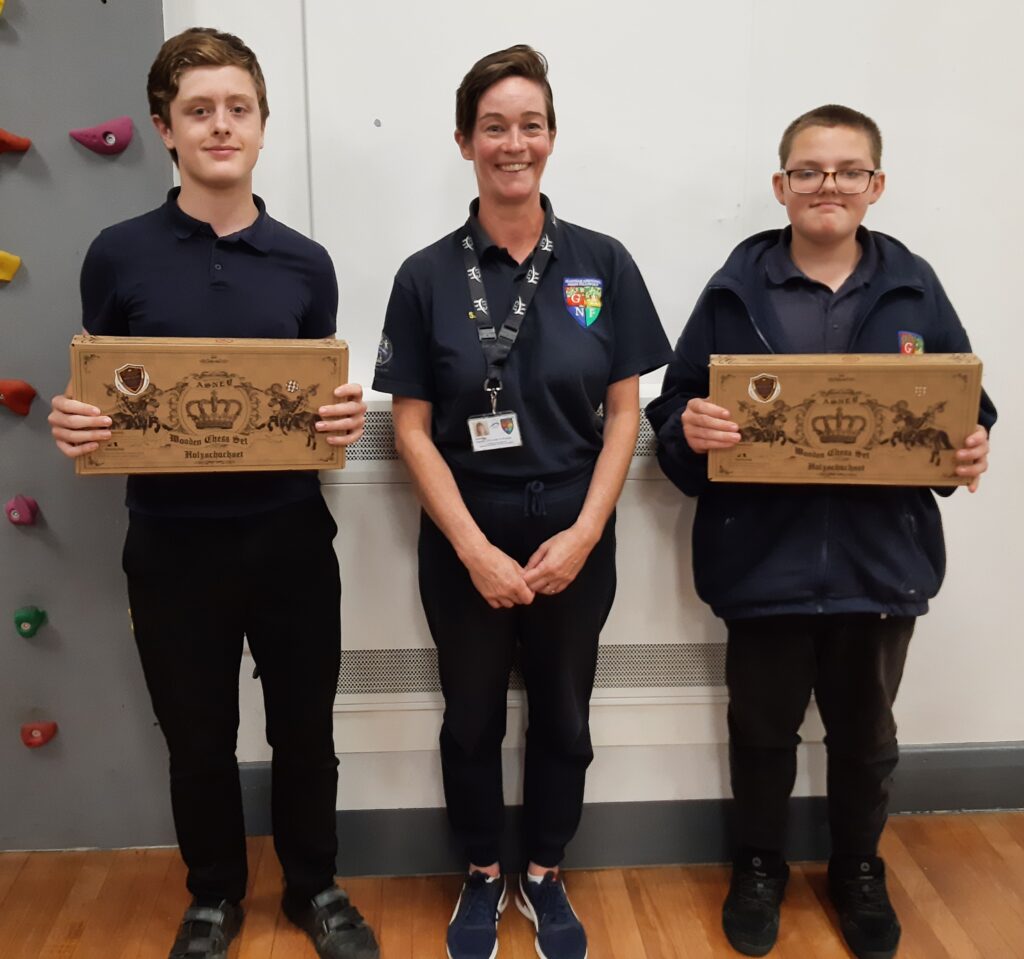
column 102, row 313
column 321, row 318
column 403, row 357
column 640, row 341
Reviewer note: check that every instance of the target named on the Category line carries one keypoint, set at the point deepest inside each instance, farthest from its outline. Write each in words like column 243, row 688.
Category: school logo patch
column 384, row 352
column 911, row 344
column 583, row 299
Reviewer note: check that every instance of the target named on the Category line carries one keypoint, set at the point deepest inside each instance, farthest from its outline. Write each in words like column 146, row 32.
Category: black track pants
column 557, row 638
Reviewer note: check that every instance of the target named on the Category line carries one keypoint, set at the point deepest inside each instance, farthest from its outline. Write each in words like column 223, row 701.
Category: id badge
column 495, row 431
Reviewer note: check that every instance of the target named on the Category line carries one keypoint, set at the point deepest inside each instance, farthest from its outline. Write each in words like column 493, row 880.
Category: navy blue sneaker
column 473, row 929
column 560, row 933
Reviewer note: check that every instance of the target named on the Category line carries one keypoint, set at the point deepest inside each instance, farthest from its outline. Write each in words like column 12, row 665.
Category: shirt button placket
column 217, row 271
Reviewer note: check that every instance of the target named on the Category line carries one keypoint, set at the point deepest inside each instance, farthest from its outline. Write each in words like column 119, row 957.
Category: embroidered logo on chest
column 911, row 344
column 583, row 299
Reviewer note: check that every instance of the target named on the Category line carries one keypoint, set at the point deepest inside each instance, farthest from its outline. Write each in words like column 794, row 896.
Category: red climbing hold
column 35, row 735
column 108, row 138
column 17, row 396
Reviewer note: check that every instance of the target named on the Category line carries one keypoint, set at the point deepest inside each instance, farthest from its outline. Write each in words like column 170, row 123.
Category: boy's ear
column 877, row 186
column 779, row 187
column 164, row 130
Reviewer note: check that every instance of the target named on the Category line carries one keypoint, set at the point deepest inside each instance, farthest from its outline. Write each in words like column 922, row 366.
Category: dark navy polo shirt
column 167, row 274
column 559, row 369
column 813, row 318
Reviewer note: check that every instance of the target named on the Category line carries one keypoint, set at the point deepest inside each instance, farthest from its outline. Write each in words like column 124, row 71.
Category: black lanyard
column 498, row 344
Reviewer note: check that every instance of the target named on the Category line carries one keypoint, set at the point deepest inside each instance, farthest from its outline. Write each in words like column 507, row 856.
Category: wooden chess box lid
column 884, row 419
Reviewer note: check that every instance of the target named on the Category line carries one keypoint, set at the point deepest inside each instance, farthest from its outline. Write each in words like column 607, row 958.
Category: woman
column 501, row 341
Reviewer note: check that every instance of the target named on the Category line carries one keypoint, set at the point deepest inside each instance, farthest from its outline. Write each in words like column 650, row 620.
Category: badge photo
column 494, row 431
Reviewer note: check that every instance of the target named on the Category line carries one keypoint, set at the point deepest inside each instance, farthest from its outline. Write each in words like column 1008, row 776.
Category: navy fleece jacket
column 764, row 550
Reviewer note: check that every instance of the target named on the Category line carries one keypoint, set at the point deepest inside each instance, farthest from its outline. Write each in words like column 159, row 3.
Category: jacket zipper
column 750, row 315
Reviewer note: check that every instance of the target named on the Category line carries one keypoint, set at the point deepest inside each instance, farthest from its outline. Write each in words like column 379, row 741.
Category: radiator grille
column 378, row 439
column 624, row 666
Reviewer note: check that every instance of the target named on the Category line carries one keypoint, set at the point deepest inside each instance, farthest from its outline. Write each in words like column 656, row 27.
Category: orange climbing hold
column 12, row 143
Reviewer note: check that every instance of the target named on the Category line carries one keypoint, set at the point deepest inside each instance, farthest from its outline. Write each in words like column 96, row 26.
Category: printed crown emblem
column 841, row 428
column 214, row 413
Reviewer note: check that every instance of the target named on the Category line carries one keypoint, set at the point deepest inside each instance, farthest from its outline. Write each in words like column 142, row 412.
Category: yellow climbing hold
column 9, row 263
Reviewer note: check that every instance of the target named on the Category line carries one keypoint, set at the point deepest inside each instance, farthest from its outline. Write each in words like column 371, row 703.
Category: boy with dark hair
column 819, row 586
column 211, row 262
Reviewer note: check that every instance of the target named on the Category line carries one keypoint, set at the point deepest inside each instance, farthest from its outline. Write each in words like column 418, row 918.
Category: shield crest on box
column 131, row 379
column 764, row 387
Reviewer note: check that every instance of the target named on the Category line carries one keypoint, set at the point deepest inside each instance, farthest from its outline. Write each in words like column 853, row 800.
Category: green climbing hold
column 28, row 619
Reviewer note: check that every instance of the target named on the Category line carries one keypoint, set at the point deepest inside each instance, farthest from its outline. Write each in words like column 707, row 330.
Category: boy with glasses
column 819, row 586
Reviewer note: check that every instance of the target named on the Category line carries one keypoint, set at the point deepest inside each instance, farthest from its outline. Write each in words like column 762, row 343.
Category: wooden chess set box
column 881, row 419
column 181, row 405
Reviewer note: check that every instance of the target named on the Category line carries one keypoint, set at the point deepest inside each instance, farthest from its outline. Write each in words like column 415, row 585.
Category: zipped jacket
column 766, row 549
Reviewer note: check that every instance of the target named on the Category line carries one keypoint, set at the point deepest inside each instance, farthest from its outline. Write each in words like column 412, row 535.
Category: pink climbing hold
column 107, row 138
column 22, row 510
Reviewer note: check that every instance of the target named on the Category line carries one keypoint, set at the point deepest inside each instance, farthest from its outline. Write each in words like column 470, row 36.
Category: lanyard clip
column 492, row 385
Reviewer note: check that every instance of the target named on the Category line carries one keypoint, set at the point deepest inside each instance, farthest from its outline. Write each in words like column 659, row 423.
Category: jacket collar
column 744, row 275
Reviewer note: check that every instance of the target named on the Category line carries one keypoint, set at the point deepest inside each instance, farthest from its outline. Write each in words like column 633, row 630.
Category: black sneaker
column 866, row 917
column 207, row 929
column 560, row 933
column 473, row 928
column 750, row 913
column 337, row 929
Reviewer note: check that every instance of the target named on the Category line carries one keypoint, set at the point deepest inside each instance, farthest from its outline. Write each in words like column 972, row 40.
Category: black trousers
column 196, row 586
column 854, row 664
column 557, row 639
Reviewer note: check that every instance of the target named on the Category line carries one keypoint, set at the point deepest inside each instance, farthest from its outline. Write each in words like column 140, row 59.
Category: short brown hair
column 199, row 47
column 518, row 61
column 833, row 115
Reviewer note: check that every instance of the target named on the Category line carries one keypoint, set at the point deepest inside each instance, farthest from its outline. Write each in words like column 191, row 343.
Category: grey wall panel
column 67, row 64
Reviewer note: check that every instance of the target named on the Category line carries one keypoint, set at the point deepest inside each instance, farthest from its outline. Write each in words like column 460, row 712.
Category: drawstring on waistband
column 533, row 499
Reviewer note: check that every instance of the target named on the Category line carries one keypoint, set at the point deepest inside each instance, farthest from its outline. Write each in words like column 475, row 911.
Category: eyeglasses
column 846, row 181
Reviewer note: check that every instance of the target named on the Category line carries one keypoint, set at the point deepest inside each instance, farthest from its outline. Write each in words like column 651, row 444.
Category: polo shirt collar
column 257, row 235
column 481, row 238
column 780, row 268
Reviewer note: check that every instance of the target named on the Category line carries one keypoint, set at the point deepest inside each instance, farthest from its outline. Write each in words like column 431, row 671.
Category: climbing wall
column 81, row 762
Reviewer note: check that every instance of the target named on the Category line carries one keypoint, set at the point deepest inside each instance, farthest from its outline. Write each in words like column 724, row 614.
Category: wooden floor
column 957, row 882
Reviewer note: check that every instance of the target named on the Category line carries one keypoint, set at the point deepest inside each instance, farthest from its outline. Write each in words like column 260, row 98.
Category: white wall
column 669, row 116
